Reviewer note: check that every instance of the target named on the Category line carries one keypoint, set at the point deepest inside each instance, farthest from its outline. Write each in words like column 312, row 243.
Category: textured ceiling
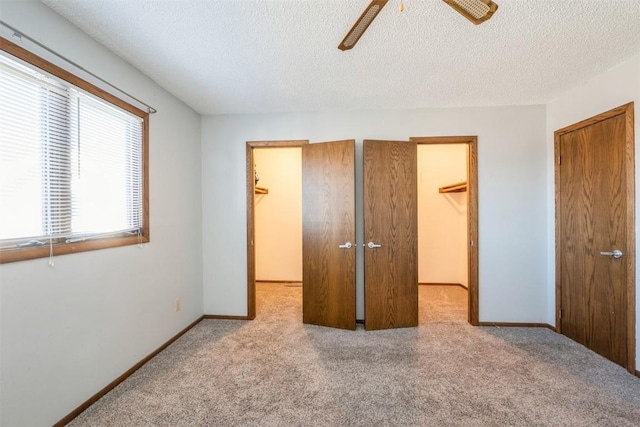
column 257, row 56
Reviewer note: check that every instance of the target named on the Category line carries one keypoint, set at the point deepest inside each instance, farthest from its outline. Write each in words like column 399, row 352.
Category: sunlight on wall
column 442, row 218
column 279, row 214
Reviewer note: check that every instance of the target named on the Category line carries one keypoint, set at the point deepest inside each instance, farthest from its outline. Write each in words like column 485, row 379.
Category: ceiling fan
column 476, row 11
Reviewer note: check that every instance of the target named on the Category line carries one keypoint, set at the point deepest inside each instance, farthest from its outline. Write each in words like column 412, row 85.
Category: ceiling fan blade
column 476, row 11
column 362, row 24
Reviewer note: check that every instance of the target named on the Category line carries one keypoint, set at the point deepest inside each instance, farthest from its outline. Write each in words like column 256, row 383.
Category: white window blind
column 71, row 164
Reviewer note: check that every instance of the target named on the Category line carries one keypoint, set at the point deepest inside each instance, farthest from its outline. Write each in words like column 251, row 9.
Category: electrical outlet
column 177, row 304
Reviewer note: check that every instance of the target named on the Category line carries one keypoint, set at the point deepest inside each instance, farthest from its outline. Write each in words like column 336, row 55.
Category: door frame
column 629, row 160
column 251, row 218
column 473, row 315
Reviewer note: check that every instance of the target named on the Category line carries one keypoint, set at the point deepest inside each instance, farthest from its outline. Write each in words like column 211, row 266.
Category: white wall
column 68, row 331
column 442, row 217
column 512, row 196
column 278, row 215
column 615, row 87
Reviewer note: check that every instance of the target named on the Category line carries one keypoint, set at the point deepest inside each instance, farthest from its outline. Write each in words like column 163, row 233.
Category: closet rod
column 19, row 34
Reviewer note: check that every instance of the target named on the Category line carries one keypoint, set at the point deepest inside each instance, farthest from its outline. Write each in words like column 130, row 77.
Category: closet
column 389, row 219
column 278, row 214
column 442, row 214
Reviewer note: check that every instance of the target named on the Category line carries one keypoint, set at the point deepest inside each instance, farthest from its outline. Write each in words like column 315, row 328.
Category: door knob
column 372, row 245
column 347, row 245
column 615, row 254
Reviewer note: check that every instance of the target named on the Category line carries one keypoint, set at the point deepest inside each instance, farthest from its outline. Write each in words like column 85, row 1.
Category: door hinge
column 559, row 160
column 560, row 314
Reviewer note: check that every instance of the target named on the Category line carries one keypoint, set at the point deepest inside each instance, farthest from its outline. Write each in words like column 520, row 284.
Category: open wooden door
column 328, row 234
column 595, row 229
column 391, row 234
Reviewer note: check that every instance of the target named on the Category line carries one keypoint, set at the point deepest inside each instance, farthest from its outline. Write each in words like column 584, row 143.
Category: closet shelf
column 458, row 187
column 262, row 190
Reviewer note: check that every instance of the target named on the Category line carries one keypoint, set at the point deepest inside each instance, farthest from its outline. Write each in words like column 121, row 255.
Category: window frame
column 60, row 247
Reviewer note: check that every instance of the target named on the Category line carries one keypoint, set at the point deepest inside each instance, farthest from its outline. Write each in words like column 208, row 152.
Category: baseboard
column 360, row 321
column 517, row 325
column 93, row 399
column 442, row 284
column 223, row 317
column 278, row 281
column 638, row 374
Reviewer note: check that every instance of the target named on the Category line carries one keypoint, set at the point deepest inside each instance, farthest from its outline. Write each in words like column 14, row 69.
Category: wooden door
column 595, row 199
column 390, row 221
column 328, row 236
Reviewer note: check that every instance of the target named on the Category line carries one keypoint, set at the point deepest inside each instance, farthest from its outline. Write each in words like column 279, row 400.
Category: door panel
column 390, row 220
column 592, row 206
column 328, row 210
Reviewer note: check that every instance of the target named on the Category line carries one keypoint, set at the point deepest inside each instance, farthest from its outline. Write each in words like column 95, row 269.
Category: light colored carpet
column 275, row 371
column 442, row 304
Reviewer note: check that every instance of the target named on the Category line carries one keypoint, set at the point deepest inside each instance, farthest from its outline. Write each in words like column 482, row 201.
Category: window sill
column 23, row 254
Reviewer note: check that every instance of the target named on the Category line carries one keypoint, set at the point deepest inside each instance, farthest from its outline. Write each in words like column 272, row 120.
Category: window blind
column 71, row 164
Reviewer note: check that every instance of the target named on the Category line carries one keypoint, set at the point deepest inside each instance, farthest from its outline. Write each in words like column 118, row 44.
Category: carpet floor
column 276, row 371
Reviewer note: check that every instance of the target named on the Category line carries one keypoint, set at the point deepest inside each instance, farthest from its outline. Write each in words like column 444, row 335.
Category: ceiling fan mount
column 476, row 11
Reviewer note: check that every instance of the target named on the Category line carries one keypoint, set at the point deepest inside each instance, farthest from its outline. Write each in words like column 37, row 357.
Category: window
column 73, row 162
